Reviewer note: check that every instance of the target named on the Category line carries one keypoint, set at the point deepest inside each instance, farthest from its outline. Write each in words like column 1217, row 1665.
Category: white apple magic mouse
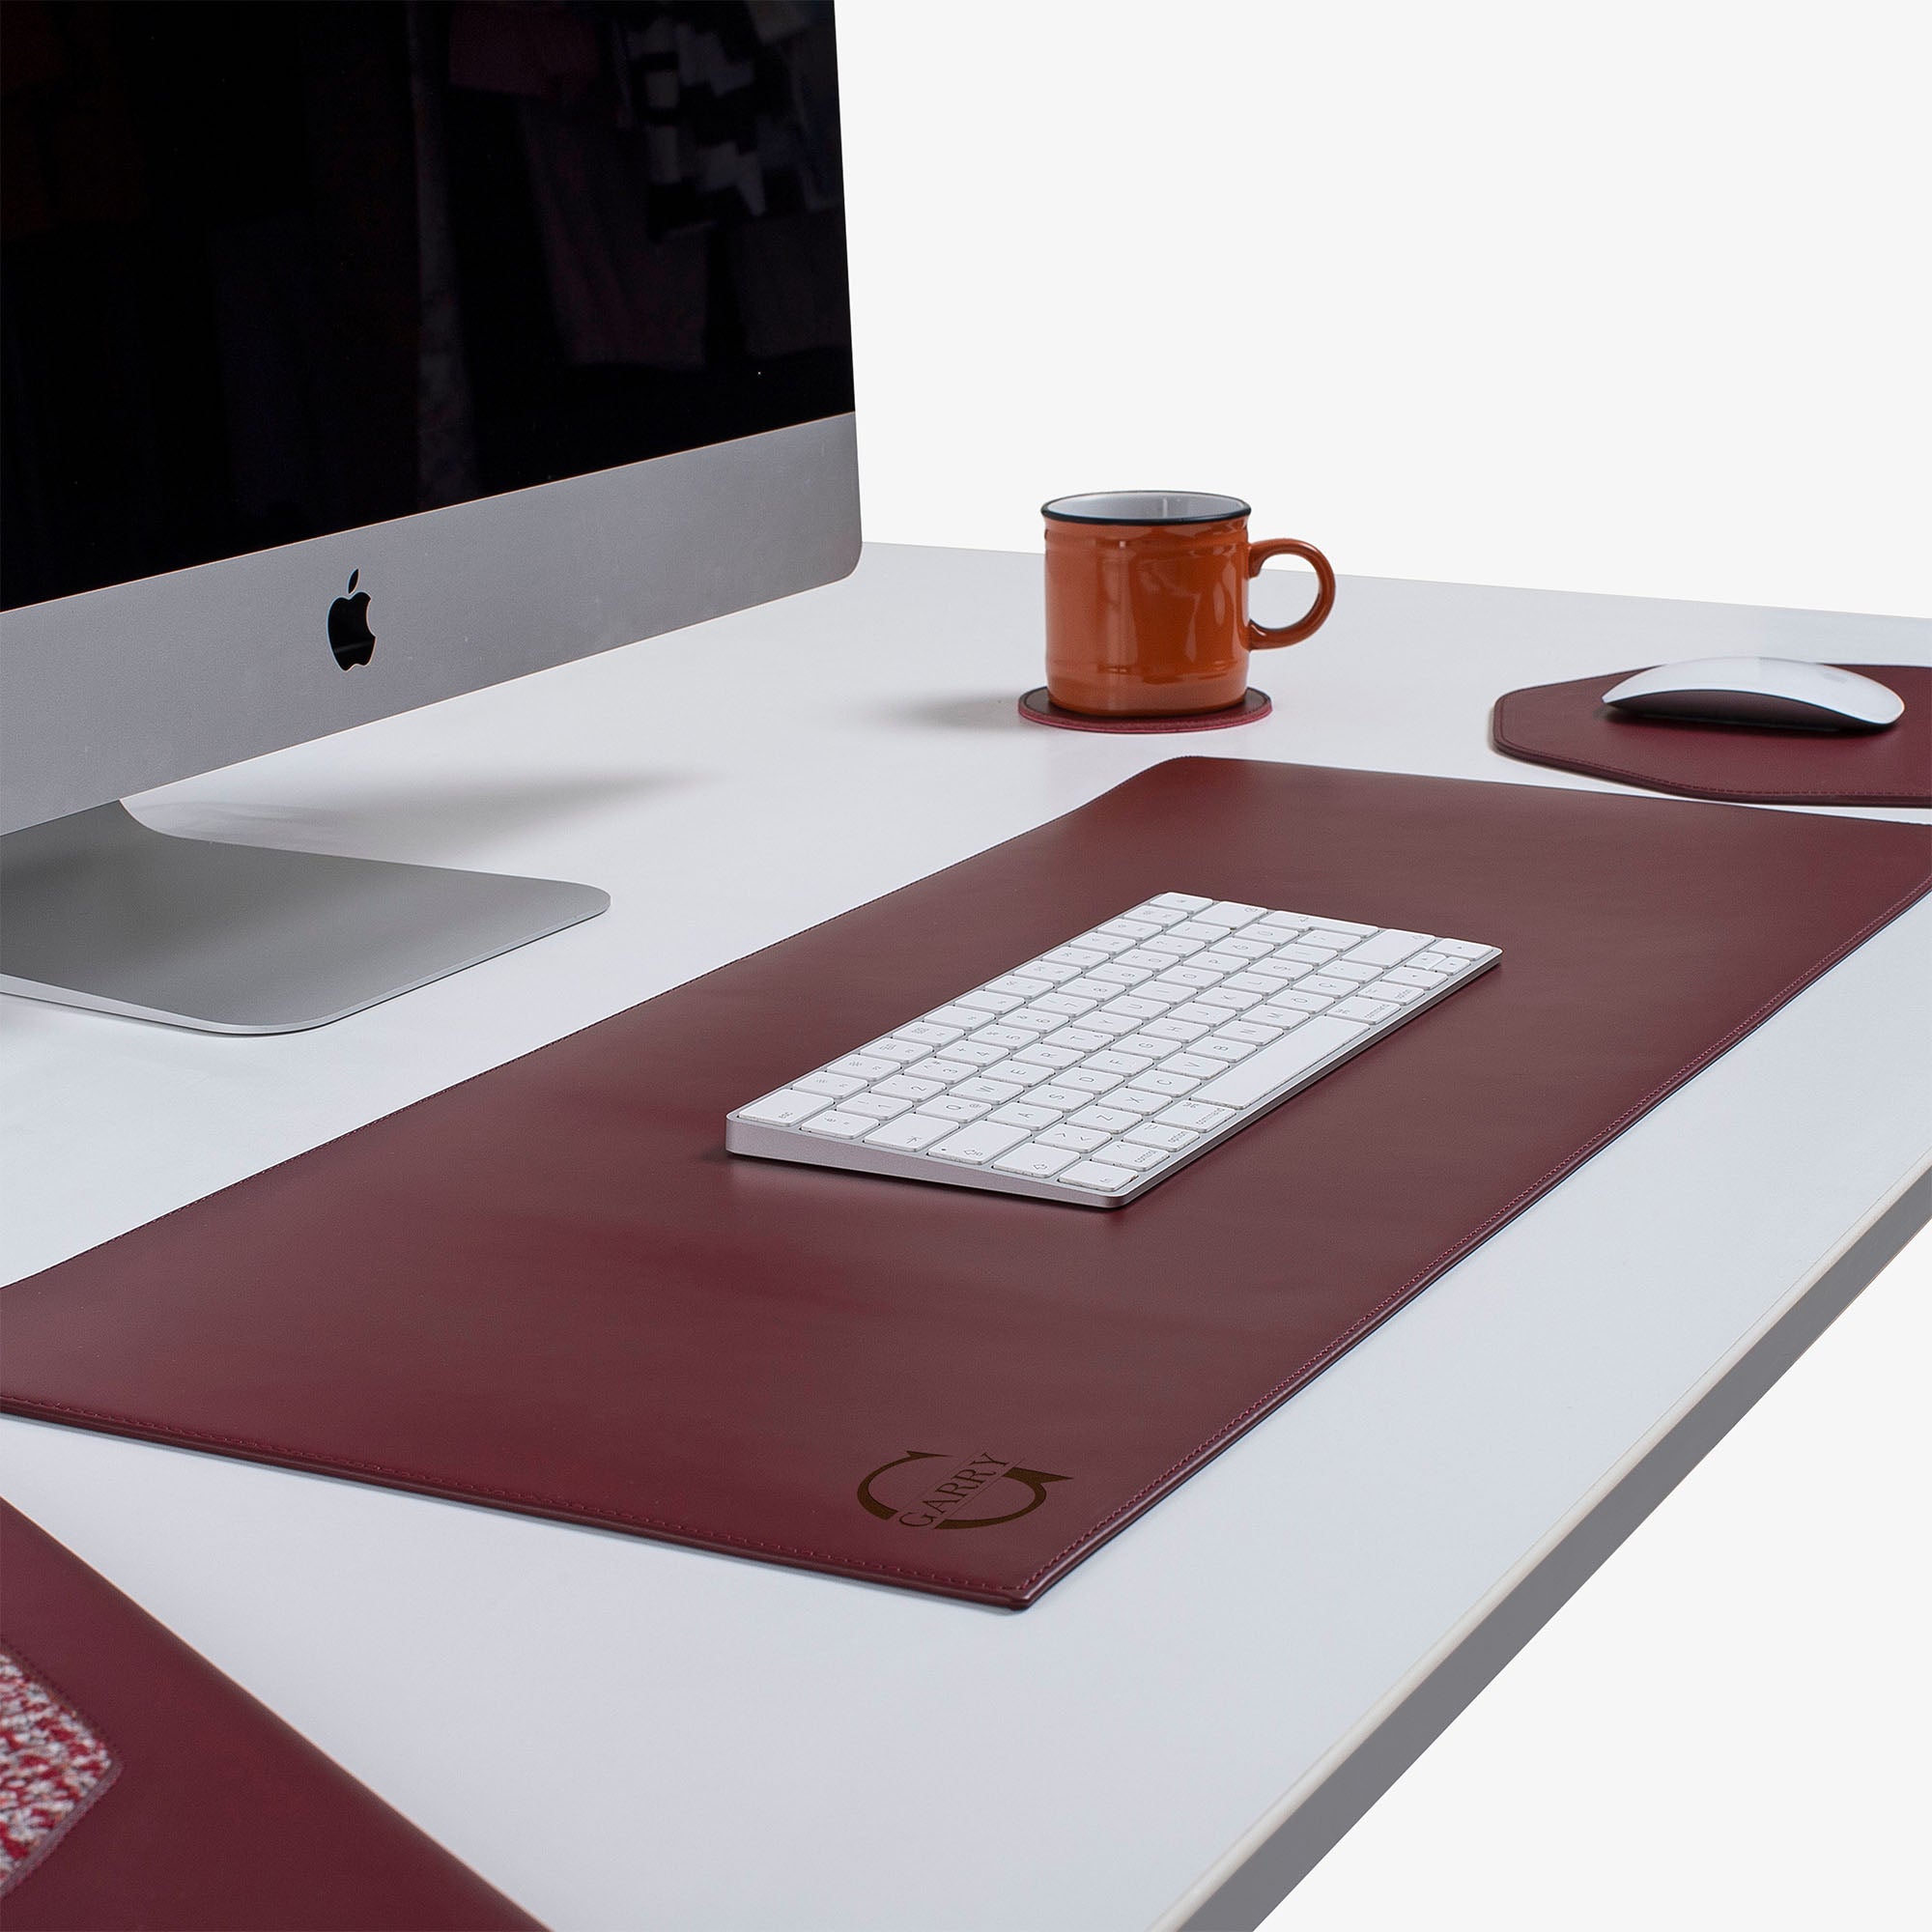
column 1786, row 693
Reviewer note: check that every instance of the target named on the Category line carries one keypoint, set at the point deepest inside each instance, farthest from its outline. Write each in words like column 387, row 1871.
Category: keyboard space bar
column 1261, row 1073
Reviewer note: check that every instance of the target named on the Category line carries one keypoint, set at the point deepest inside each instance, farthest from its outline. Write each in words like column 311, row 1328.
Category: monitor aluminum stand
column 104, row 912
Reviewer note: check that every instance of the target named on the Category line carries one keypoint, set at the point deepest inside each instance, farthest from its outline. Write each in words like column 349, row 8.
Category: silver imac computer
column 360, row 354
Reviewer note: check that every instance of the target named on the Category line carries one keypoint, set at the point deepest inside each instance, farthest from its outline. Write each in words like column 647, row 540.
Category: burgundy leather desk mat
column 218, row 1815
column 551, row 1290
column 1566, row 725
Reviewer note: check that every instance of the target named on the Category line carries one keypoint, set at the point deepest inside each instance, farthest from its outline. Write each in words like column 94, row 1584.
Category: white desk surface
column 622, row 1734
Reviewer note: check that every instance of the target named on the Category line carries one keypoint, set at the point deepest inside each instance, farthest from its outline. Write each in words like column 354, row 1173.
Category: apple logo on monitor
column 350, row 637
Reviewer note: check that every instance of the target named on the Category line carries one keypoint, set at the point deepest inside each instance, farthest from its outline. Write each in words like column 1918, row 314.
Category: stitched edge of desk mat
column 1566, row 728
column 216, row 1813
column 550, row 1289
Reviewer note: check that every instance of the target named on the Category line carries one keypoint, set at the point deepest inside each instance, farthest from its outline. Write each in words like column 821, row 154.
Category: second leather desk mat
column 551, row 1290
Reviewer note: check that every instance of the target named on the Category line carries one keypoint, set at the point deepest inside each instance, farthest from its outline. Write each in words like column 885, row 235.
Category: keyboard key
column 1067, row 1099
column 1389, row 948
column 1284, row 922
column 963, row 1019
column 1334, row 942
column 1383, row 990
column 932, row 1032
column 1241, row 947
column 1346, row 927
column 1304, row 955
column 1191, row 1064
column 1017, row 1071
column 1193, row 928
column 1136, row 1007
column 1350, row 969
column 840, row 1124
column 1114, row 974
column 982, row 1141
column 1124, row 1153
column 1112, row 1118
column 1180, row 901
column 1155, row 962
column 993, row 1091
column 1403, row 976
column 976, row 1052
column 904, row 1086
column 1127, row 929
column 1162, row 1083
column 1081, row 956
column 1077, row 1038
column 1432, row 961
column 1033, row 1020
column 834, row 1086
column 1229, row 997
column 1049, row 970
column 1131, row 1099
column 1174, row 1029
column 1061, row 1003
column 876, row 1105
column 1024, row 1113
column 1323, row 982
column 1113, row 1025
column 1192, row 1114
column 1082, row 1140
column 1215, row 960
column 1091, row 986
column 1460, row 948
column 1216, row 1048
column 785, row 1108
column 1286, row 1009
column 948, row 1107
column 1231, row 912
column 1273, row 1067
column 1197, row 1012
column 1173, row 948
column 1119, row 1063
column 1359, row 1009
column 899, row 1051
column 990, row 1003
column 865, row 1065
column 912, row 1135
column 945, row 1071
column 1151, row 1134
column 1248, row 1029
column 1088, row 1079
column 1096, row 1174
column 1185, row 978
column 1036, row 1158
column 1003, row 1036
column 1027, row 985
column 1046, row 1056
column 1251, row 982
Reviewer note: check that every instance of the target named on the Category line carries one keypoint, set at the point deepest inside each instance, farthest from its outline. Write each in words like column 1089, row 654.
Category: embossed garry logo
column 924, row 1489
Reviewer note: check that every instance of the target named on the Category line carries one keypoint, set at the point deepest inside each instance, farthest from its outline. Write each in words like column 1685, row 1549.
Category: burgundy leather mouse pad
column 141, row 1787
column 550, row 1288
column 1566, row 725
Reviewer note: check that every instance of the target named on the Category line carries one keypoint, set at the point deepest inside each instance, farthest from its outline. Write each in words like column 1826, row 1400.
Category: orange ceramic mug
column 1146, row 602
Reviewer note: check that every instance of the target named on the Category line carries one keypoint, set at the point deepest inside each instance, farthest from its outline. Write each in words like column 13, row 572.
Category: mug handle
column 1266, row 636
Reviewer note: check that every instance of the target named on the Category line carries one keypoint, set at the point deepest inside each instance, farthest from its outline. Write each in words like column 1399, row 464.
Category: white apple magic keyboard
column 1098, row 1068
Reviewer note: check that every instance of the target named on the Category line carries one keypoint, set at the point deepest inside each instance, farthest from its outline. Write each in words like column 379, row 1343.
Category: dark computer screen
column 273, row 270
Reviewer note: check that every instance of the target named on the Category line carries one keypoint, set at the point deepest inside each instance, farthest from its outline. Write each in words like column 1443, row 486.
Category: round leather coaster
column 1043, row 710
column 1566, row 726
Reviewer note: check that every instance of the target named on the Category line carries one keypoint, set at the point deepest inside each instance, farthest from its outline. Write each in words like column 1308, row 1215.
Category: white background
column 1625, row 297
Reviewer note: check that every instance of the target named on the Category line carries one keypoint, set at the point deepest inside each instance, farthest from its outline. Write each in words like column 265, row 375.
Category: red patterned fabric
column 52, row 1766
